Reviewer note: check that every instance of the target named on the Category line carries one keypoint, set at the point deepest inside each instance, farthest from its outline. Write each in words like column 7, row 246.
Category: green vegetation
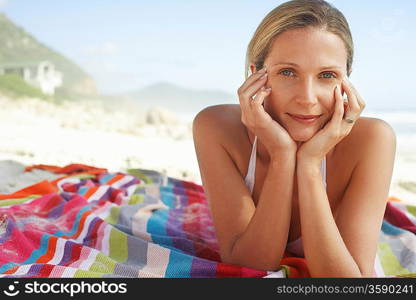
column 14, row 86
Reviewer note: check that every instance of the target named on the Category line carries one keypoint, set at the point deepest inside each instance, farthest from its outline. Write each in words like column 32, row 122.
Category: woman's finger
column 245, row 97
column 339, row 106
column 257, row 108
column 255, row 86
column 242, row 97
column 336, row 119
column 345, row 104
column 261, row 95
column 353, row 106
column 251, row 79
column 357, row 95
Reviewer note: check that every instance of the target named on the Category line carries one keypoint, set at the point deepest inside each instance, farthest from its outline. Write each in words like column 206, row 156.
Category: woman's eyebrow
column 295, row 65
column 284, row 63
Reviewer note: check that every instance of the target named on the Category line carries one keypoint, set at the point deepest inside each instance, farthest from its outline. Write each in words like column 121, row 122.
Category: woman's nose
column 307, row 93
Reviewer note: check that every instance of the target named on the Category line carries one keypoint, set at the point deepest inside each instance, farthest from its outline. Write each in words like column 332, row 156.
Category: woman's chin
column 302, row 136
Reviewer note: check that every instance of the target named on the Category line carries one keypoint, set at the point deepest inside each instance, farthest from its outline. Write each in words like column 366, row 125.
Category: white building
column 39, row 74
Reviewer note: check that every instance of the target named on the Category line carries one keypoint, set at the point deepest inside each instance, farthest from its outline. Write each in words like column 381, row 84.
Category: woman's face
column 304, row 66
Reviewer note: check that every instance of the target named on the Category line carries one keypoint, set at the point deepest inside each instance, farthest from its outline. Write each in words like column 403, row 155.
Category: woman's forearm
column 262, row 244
column 326, row 252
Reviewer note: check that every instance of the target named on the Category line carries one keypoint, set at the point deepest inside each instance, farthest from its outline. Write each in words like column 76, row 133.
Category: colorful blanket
column 92, row 223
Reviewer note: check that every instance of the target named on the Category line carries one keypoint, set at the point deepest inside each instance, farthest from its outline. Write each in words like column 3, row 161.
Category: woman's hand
column 337, row 128
column 273, row 136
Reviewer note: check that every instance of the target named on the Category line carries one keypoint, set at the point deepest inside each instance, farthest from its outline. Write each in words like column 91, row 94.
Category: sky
column 126, row 45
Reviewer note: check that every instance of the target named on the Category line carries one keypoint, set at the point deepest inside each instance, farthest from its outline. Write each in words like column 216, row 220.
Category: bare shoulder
column 223, row 122
column 369, row 131
column 224, row 116
column 366, row 135
column 373, row 126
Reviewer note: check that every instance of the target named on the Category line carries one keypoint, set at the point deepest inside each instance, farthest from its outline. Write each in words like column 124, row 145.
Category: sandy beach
column 37, row 132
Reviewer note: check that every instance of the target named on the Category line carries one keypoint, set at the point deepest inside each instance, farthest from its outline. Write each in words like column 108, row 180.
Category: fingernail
column 268, row 89
column 264, row 76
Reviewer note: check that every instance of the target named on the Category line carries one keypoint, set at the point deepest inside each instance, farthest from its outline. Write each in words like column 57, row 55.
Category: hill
column 18, row 46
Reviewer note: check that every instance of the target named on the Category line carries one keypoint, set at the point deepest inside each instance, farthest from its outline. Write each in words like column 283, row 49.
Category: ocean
column 403, row 122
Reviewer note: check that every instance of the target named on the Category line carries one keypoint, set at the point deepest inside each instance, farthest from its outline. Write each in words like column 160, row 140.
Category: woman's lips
column 305, row 119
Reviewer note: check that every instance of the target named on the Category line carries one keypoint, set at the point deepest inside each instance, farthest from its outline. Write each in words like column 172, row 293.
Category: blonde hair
column 297, row 14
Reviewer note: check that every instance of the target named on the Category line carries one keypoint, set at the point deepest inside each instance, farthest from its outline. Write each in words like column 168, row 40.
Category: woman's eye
column 291, row 73
column 287, row 73
column 328, row 75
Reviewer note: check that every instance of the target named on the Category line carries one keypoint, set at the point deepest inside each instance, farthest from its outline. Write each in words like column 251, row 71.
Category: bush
column 15, row 86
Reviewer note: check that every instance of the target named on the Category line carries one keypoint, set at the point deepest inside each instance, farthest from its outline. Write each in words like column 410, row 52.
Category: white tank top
column 296, row 246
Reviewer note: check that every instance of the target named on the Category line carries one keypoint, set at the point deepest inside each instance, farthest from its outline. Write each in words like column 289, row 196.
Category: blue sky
column 128, row 44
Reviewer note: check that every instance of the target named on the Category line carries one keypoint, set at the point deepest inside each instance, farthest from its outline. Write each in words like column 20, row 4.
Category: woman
column 294, row 167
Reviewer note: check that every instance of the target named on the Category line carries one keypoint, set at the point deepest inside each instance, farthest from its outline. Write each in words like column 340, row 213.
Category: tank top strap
column 323, row 170
column 250, row 177
column 249, row 180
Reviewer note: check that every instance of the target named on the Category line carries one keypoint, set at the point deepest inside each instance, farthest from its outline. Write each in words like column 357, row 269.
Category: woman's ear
column 252, row 68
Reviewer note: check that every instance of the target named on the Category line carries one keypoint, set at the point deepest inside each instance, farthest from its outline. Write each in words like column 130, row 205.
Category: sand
column 37, row 132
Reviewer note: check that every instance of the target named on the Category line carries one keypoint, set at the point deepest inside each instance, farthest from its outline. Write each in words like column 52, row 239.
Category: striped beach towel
column 142, row 223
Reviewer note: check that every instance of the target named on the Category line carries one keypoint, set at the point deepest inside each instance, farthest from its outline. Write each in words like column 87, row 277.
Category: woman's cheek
column 274, row 104
column 269, row 102
column 268, row 107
